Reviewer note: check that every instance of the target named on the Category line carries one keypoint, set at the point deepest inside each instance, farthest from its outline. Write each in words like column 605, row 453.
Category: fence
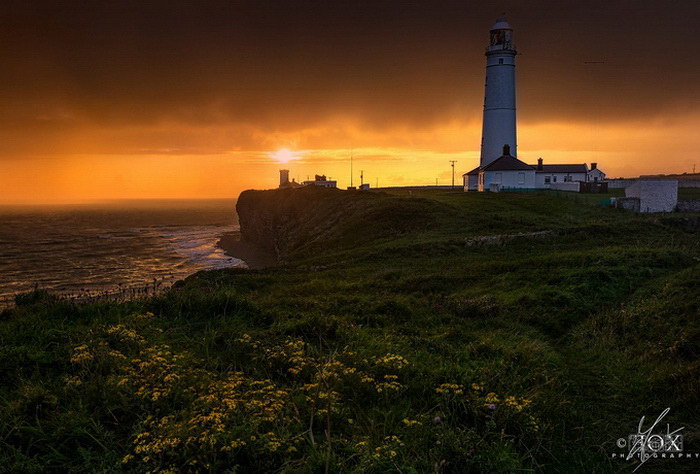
column 626, row 182
column 688, row 206
column 84, row 296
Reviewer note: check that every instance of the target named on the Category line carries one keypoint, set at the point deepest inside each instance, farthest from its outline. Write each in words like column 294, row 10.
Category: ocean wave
column 99, row 252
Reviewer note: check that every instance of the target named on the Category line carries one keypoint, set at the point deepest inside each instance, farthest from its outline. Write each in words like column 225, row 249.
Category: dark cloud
column 277, row 66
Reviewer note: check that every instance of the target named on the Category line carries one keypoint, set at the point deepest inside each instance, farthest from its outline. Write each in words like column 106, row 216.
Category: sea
column 111, row 249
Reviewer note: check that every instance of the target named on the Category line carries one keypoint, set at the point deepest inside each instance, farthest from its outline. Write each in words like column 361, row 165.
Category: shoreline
column 253, row 256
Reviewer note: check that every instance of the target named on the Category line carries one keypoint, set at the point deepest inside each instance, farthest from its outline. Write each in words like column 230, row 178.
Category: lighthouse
column 499, row 101
column 499, row 168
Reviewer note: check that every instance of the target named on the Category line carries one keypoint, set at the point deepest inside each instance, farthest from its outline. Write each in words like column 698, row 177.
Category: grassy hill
column 423, row 331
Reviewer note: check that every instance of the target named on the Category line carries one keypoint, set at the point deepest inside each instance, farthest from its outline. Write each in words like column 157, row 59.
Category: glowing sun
column 284, row 155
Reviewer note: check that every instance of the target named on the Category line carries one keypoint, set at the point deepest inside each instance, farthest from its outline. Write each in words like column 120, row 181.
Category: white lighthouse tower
column 499, row 101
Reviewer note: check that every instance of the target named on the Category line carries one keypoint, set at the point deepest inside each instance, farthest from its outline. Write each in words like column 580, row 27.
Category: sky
column 183, row 99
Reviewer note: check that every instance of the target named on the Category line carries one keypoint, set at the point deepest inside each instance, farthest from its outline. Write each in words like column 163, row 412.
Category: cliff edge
column 293, row 223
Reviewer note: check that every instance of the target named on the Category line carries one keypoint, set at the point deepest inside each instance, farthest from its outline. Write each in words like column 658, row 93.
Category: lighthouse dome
column 501, row 24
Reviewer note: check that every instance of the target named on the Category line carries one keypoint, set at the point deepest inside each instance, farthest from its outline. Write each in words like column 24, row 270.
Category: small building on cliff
column 321, row 180
column 284, row 180
column 650, row 195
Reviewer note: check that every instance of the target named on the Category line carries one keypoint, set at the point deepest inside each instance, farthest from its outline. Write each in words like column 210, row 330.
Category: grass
column 689, row 193
column 393, row 339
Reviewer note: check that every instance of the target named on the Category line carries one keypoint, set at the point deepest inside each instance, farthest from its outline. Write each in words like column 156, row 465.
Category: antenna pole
column 452, row 162
column 351, row 150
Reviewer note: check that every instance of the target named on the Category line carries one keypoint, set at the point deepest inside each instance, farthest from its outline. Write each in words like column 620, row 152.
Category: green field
column 395, row 337
column 689, row 193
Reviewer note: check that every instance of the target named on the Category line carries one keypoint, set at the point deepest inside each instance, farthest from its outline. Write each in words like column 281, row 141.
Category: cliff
column 292, row 223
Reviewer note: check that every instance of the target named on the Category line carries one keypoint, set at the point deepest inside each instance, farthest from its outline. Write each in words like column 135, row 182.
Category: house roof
column 475, row 171
column 574, row 168
column 507, row 163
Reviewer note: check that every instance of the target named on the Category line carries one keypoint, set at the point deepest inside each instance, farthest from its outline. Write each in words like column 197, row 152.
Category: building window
column 521, row 178
column 567, row 179
column 554, row 178
column 498, row 178
column 500, row 61
column 547, row 179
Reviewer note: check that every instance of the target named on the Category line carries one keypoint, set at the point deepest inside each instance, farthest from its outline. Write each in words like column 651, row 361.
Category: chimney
column 506, row 149
column 539, row 164
column 594, row 166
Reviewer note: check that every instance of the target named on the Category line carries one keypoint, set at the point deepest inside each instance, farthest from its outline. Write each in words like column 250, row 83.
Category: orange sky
column 155, row 101
column 393, row 157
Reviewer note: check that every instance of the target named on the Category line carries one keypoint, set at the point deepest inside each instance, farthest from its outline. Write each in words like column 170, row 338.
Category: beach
column 254, row 257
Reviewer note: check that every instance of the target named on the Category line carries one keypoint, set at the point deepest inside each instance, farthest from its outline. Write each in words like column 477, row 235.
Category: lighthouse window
column 500, row 60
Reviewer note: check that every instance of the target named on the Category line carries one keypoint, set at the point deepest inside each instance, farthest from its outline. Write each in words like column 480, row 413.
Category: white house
column 543, row 176
column 571, row 173
column 594, row 174
column 546, row 175
column 505, row 172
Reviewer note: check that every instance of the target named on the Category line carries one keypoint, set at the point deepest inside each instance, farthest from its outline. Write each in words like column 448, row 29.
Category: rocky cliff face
column 284, row 220
column 292, row 223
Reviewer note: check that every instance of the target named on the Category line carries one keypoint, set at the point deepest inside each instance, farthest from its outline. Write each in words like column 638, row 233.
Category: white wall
column 323, row 184
column 510, row 179
column 470, row 182
column 560, row 178
column 596, row 173
column 574, row 186
column 655, row 195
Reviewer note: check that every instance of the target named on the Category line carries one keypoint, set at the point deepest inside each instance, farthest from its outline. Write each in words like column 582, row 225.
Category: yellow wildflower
column 72, row 381
column 491, row 398
column 125, row 334
column 81, row 355
column 450, row 389
column 392, row 361
column 409, row 422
